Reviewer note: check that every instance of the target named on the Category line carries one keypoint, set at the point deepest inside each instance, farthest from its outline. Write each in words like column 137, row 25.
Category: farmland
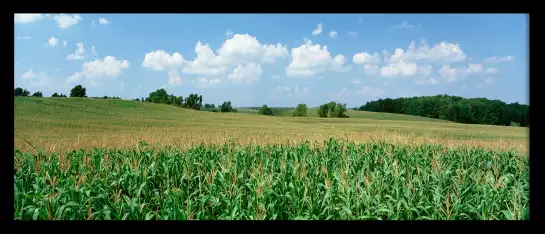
column 116, row 159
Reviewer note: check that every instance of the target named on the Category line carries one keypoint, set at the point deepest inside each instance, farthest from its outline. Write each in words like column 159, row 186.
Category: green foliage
column 20, row 92
column 453, row 108
column 265, row 110
column 331, row 109
column 37, row 94
column 300, row 110
column 78, row 91
column 515, row 124
column 340, row 111
column 55, row 95
column 334, row 181
column 322, row 111
column 226, row 107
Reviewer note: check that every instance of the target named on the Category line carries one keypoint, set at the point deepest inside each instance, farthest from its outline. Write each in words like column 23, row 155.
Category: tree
column 37, row 94
column 322, row 111
column 340, row 111
column 331, row 109
column 78, row 91
column 300, row 110
column 212, row 106
column 20, row 92
column 55, row 95
column 265, row 110
column 226, row 107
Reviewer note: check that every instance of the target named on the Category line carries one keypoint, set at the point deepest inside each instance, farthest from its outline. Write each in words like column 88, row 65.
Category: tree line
column 456, row 109
column 193, row 101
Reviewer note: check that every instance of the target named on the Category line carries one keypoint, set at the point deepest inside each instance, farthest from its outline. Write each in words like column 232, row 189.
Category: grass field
column 81, row 159
column 58, row 125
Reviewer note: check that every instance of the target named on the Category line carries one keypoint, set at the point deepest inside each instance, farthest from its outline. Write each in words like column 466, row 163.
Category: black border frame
column 292, row 7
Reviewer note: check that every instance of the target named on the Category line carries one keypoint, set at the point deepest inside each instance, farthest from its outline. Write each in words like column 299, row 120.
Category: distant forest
column 457, row 109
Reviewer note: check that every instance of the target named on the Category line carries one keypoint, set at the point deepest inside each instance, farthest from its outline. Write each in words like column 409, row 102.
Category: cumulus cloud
column 317, row 30
column 400, row 68
column 52, row 42
column 333, row 34
column 444, row 52
column 103, row 21
column 78, row 54
column 64, row 43
column 308, row 60
column 497, row 59
column 366, row 58
column 206, row 62
column 27, row 18
column 174, row 79
column 66, row 21
column 28, row 75
column 159, row 60
column 246, row 73
column 371, row 92
column 107, row 67
column 454, row 74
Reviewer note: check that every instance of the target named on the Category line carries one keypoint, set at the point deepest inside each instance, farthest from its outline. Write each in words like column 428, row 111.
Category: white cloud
column 353, row 33
column 159, row 60
column 366, row 58
column 454, row 74
column 356, row 81
column 243, row 48
column 204, row 82
column 341, row 93
column 308, row 60
column 78, row 54
column 174, row 79
column 371, row 69
column 27, row 18
column 228, row 33
column 64, row 43
column 404, row 25
column 333, row 34
column 103, row 21
column 424, row 70
column 23, row 38
column 372, row 92
column 247, row 73
column 206, row 62
column 275, row 77
column 400, row 68
column 52, row 42
column 445, row 52
column 317, row 30
column 107, row 67
column 427, row 81
column 94, row 51
column 489, row 80
column 28, row 75
column 497, row 59
column 66, row 21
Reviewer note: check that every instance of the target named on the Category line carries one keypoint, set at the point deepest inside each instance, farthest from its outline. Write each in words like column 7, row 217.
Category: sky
column 275, row 59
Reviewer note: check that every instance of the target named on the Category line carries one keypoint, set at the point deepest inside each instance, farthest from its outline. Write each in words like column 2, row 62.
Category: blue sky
column 273, row 59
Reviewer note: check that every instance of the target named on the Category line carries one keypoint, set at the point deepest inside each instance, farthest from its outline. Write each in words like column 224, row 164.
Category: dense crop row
column 337, row 181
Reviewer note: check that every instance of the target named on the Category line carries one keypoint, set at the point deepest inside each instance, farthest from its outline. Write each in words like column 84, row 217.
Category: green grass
column 338, row 180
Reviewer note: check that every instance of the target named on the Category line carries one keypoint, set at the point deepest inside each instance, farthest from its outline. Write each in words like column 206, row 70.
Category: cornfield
column 335, row 180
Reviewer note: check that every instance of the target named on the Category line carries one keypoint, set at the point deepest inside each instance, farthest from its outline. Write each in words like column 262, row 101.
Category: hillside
column 60, row 124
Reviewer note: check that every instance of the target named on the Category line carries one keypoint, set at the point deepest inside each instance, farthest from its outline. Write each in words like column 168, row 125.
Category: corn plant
column 336, row 180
